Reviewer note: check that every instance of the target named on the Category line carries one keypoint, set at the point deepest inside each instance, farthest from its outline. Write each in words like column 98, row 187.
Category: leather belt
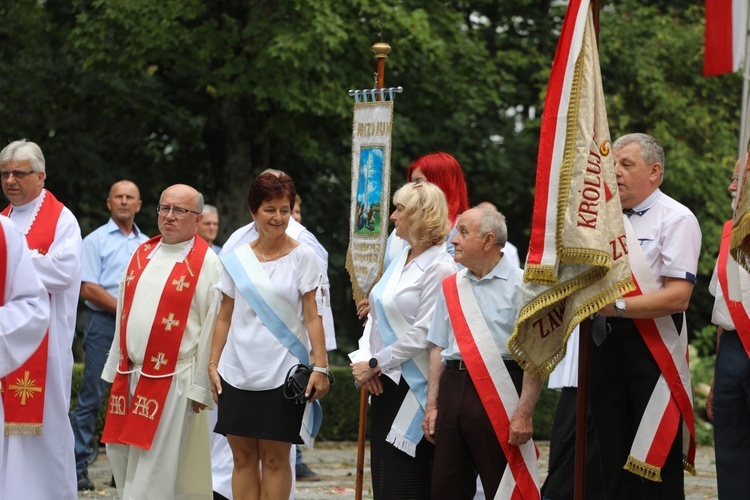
column 455, row 365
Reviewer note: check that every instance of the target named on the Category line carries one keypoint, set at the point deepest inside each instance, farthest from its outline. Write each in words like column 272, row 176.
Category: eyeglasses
column 18, row 174
column 178, row 212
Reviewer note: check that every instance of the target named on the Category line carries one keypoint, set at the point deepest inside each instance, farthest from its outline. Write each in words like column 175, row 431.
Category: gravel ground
column 336, row 463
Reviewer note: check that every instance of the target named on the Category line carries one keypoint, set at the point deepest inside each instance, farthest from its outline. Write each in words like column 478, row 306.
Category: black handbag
column 297, row 379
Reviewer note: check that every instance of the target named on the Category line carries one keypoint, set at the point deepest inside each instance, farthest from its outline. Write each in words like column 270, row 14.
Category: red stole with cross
column 736, row 309
column 136, row 423
column 493, row 384
column 24, row 389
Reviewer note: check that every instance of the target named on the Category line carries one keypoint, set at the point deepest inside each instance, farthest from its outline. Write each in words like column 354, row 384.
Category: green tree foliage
column 211, row 92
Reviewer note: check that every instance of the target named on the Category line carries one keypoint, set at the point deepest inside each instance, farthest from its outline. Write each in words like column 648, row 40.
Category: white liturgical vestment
column 177, row 466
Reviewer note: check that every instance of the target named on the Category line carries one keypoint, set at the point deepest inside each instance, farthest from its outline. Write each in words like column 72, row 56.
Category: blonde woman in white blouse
column 393, row 359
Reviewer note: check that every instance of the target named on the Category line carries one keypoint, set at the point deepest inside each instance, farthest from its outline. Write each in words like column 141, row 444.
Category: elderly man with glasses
column 37, row 430
column 156, row 433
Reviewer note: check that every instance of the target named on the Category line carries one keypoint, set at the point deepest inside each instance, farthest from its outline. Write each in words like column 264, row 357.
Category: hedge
column 341, row 407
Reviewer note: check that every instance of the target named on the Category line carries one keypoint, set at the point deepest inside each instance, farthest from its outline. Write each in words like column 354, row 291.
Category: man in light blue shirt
column 473, row 320
column 106, row 253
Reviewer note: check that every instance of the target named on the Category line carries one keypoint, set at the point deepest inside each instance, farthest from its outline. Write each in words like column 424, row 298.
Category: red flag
column 726, row 34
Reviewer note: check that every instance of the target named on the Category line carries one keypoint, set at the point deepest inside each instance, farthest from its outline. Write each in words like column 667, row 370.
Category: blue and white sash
column 277, row 315
column 406, row 431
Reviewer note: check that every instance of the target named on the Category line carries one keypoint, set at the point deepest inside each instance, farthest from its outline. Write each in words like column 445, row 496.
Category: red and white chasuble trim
column 24, row 389
column 736, row 309
column 493, row 384
column 135, row 422
column 672, row 397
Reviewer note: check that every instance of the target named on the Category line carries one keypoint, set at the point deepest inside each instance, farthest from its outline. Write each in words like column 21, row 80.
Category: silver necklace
column 266, row 259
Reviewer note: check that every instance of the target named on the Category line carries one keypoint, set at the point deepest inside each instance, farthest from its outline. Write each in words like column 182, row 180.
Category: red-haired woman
column 445, row 172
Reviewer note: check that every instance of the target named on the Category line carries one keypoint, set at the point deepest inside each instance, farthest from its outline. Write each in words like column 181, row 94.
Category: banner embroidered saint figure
column 370, row 201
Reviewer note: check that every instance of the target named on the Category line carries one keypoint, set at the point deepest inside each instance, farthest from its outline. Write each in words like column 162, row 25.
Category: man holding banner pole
column 640, row 395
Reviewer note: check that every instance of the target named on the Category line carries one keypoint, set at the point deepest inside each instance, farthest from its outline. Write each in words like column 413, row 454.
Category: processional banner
column 370, row 194
column 577, row 260
column 739, row 244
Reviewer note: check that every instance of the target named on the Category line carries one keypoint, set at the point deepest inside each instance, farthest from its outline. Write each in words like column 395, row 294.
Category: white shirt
column 253, row 358
column 247, row 234
column 415, row 297
column 670, row 237
column 498, row 295
column 510, row 252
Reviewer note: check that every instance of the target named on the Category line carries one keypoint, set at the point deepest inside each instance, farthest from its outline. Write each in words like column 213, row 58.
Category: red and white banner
column 577, row 260
column 726, row 36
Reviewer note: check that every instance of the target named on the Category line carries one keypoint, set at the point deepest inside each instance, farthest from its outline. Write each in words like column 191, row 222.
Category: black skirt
column 259, row 414
column 396, row 475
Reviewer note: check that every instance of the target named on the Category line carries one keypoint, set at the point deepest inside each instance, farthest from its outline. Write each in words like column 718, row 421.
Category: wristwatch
column 321, row 369
column 373, row 363
column 620, row 305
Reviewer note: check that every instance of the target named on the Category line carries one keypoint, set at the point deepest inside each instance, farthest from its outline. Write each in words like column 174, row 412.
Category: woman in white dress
column 403, row 302
column 268, row 322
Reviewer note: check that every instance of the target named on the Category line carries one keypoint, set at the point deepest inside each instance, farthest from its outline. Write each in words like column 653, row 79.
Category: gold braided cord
column 585, row 310
column 18, row 429
column 586, row 256
column 641, row 468
column 542, row 274
column 569, row 153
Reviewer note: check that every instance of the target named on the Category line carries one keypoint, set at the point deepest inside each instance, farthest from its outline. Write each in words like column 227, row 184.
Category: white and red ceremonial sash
column 24, row 388
column 135, row 422
column 577, row 261
column 725, row 36
column 737, row 310
column 493, row 384
column 672, row 396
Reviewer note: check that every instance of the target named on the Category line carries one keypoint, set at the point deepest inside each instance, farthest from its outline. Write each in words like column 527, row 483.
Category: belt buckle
column 462, row 365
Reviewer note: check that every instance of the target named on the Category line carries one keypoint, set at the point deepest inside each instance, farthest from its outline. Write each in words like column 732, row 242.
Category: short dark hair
column 268, row 186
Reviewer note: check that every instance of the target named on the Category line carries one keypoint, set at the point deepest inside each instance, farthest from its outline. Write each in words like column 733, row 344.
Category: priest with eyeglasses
column 156, row 433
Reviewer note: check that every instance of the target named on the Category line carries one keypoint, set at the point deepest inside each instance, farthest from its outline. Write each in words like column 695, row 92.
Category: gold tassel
column 689, row 468
column 641, row 468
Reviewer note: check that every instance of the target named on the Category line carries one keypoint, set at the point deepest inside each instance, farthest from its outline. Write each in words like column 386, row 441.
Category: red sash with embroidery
column 135, row 423
column 24, row 388
column 736, row 309
column 494, row 386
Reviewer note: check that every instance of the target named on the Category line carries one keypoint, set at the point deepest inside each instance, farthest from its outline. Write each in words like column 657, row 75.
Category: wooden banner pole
column 381, row 50
column 584, row 342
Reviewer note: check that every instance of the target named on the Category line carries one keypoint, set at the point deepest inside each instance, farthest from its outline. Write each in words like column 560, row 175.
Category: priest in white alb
column 24, row 313
column 37, row 429
column 476, row 391
column 156, row 432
